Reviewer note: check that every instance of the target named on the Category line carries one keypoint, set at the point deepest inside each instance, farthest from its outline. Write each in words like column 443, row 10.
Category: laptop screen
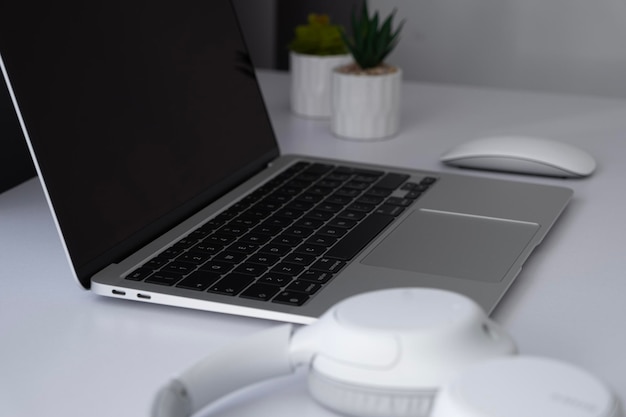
column 139, row 112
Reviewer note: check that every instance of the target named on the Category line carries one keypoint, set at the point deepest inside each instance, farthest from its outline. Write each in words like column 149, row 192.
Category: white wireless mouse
column 522, row 154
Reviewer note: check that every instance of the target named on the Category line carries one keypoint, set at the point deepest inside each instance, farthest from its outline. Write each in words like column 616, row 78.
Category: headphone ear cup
column 363, row 401
column 525, row 386
column 389, row 361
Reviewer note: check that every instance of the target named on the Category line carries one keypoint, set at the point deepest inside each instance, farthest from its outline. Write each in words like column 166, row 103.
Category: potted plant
column 366, row 92
column 316, row 49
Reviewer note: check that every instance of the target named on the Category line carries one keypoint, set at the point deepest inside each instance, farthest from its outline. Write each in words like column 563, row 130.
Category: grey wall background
column 564, row 46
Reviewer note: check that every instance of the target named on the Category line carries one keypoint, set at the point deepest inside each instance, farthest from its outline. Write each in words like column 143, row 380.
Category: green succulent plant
column 318, row 37
column 370, row 43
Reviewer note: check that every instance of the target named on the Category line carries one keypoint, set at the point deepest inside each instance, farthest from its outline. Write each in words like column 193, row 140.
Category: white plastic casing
column 404, row 339
column 525, row 386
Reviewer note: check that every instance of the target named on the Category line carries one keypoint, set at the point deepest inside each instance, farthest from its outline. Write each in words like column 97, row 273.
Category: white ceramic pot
column 366, row 107
column 311, row 81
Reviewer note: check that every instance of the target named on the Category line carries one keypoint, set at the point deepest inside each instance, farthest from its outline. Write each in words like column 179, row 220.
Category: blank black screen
column 135, row 109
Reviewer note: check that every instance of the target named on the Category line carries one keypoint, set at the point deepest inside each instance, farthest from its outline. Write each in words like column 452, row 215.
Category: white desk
column 66, row 352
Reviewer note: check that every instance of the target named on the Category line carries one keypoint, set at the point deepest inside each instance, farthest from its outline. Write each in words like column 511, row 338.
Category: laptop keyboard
column 283, row 242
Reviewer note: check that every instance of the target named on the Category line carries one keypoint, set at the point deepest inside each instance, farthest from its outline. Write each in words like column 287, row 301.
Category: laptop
column 158, row 160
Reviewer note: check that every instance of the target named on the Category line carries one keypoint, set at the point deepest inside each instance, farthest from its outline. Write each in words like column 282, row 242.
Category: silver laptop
column 158, row 159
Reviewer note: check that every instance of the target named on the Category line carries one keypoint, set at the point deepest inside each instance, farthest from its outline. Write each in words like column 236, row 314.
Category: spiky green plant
column 318, row 37
column 370, row 43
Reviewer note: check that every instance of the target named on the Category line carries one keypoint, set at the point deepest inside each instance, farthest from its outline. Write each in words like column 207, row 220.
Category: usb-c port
column 118, row 292
column 143, row 296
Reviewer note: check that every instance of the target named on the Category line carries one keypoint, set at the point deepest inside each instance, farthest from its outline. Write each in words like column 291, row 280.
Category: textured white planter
column 366, row 107
column 311, row 81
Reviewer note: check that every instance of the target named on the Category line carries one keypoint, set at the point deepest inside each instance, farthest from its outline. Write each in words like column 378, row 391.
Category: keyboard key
column 139, row 274
column 328, row 265
column 299, row 205
column 332, row 231
column 343, row 223
column 194, row 257
column 234, row 229
column 389, row 209
column 171, row 252
column 261, row 292
column 256, row 238
column 275, row 249
column 359, row 237
column 391, row 181
column 217, row 266
column 347, row 192
column 298, row 232
column 156, row 263
column 357, row 186
column 351, row 215
column 309, row 198
column 246, row 222
column 338, row 199
column 366, row 199
column 278, row 221
column 294, row 298
column 299, row 258
column 310, row 249
column 413, row 195
column 263, row 259
column 306, row 287
column 254, row 270
column 274, row 278
column 366, row 208
column 308, row 223
column 179, row 267
column 329, row 183
column 199, row 280
column 220, row 238
column 319, row 215
column 411, row 186
column 230, row 257
column 290, row 213
column 207, row 247
column 365, row 178
column 280, row 197
column 378, row 192
column 184, row 243
column 243, row 247
column 319, row 190
column 287, row 269
column 164, row 278
column 322, row 240
column 320, row 277
column 397, row 201
column 299, row 183
column 255, row 213
column 289, row 239
column 267, row 229
column 231, row 284
column 269, row 205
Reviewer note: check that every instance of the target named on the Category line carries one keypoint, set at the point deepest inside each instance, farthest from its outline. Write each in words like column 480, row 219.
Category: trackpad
column 454, row 245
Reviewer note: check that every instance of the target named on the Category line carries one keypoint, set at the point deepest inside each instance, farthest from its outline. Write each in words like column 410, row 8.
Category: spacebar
column 359, row 237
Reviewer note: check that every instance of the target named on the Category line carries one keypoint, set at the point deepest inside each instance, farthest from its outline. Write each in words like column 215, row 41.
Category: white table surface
column 66, row 352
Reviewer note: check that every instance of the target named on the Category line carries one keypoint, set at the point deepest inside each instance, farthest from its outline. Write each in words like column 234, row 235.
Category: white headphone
column 380, row 354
